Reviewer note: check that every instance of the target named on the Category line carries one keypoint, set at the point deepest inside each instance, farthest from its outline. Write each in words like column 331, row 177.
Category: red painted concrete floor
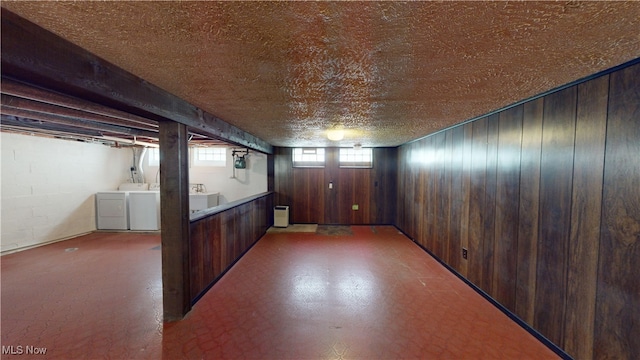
column 373, row 295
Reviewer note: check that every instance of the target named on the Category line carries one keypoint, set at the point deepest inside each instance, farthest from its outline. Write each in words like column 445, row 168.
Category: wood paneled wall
column 306, row 190
column 546, row 198
column 217, row 241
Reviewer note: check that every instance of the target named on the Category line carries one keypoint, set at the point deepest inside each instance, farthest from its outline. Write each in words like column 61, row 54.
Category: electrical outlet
column 355, row 207
column 464, row 253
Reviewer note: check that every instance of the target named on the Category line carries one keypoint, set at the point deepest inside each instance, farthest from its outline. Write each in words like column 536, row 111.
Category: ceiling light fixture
column 335, row 134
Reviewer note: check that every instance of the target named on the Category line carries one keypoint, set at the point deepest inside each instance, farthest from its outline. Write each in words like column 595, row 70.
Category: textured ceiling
column 387, row 72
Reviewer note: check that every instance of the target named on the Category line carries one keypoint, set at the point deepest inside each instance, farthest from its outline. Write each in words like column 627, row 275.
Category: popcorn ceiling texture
column 386, row 72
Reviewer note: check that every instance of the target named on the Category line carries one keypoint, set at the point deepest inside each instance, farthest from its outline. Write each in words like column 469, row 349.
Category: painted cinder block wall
column 221, row 179
column 546, row 198
column 49, row 185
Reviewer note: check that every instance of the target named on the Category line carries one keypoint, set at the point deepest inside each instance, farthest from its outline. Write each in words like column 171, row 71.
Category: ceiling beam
column 9, row 121
column 32, row 105
column 78, row 122
column 38, row 57
column 25, row 91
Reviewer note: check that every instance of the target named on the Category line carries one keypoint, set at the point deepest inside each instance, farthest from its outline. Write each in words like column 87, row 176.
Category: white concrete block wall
column 48, row 187
column 247, row 182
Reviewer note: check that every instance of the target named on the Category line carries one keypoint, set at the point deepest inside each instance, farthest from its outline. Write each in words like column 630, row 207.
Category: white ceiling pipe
column 132, row 142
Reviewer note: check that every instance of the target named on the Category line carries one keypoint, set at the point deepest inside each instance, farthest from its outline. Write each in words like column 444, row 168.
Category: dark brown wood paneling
column 383, row 200
column 507, row 204
column 591, row 124
column 306, row 190
column 308, row 196
column 331, row 196
column 618, row 294
column 270, row 172
column 212, row 235
column 555, row 212
column 466, row 194
column 283, row 176
column 409, row 193
column 421, row 197
column 230, row 234
column 345, row 188
column 197, row 251
column 362, row 193
column 445, row 194
column 217, row 241
column 489, row 212
column 528, row 212
column 401, row 202
column 476, row 204
column 440, row 198
column 431, row 177
column 532, row 187
column 456, row 199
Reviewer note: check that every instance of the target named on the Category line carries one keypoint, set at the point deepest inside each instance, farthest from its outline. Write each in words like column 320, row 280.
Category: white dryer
column 112, row 210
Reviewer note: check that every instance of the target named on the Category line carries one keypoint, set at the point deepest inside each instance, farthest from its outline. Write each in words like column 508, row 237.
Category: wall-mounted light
column 335, row 134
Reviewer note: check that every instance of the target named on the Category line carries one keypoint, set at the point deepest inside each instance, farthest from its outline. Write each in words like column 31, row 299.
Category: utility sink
column 201, row 201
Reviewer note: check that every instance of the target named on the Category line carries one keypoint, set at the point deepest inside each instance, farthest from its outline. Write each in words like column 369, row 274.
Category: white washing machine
column 112, row 210
column 133, row 187
column 144, row 210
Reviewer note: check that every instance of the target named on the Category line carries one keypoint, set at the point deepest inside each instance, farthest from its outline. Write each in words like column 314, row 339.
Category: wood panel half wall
column 219, row 239
column 545, row 198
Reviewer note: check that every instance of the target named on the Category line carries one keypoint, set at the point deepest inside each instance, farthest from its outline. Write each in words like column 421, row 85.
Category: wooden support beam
column 39, row 57
column 174, row 217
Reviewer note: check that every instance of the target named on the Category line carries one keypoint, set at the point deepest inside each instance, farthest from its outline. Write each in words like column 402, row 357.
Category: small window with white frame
column 209, row 156
column 308, row 157
column 153, row 155
column 356, row 158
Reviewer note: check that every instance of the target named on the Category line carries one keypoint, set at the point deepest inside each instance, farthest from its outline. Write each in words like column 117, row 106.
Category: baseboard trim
column 49, row 242
column 553, row 347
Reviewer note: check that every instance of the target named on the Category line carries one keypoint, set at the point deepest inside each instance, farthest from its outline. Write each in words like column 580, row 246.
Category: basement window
column 153, row 154
column 210, row 156
column 308, row 157
column 361, row 158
